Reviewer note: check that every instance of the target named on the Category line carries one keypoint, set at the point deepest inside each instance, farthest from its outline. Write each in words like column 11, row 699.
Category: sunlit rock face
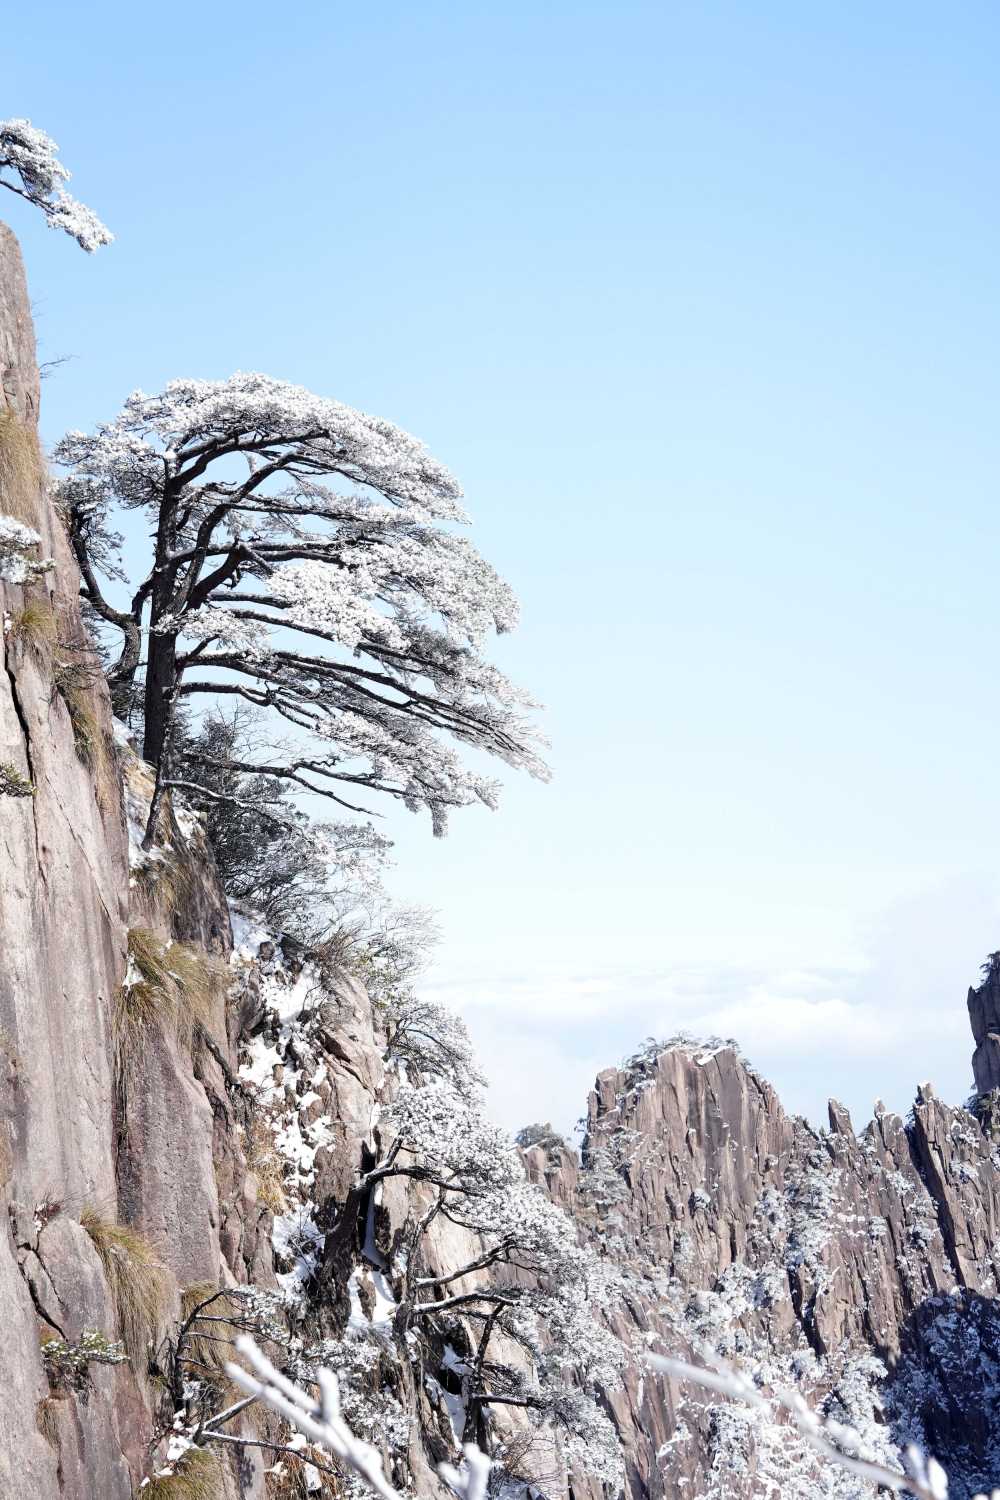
column 63, row 896
column 859, row 1269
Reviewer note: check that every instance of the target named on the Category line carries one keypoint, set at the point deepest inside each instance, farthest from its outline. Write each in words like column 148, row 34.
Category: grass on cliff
column 163, row 882
column 168, row 986
column 21, row 470
column 137, row 1278
column 198, row 1477
column 266, row 1163
column 34, row 626
column 75, row 681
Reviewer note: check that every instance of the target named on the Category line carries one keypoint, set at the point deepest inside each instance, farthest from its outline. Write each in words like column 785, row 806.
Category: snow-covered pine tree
column 30, row 167
column 304, row 561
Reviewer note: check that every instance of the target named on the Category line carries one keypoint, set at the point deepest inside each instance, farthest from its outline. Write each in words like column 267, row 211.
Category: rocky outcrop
column 858, row 1268
column 984, row 1017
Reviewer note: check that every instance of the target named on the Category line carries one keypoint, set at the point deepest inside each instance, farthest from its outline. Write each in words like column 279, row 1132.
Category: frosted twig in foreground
column 470, row 1483
column 321, row 1422
column 924, row 1477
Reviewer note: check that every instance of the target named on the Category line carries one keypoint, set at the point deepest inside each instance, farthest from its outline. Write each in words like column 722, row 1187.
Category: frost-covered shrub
column 535, row 1284
column 12, row 783
column 17, row 543
column 453, row 1141
column 361, row 1361
column 539, row 1135
column 953, row 1352
column 64, row 1360
column 432, row 1042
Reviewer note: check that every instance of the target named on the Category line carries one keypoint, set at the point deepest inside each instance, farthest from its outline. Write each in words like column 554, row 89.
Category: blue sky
column 700, row 303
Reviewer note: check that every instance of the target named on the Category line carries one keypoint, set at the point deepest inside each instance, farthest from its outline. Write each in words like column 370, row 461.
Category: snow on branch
column 30, row 155
column 322, row 1424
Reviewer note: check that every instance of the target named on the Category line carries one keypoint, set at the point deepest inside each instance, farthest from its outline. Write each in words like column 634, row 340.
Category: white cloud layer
column 854, row 1027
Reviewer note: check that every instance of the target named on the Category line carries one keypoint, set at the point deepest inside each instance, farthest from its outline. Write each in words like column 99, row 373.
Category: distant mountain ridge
column 859, row 1268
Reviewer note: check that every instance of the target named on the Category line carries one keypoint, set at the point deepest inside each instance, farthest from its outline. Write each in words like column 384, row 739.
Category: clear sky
column 700, row 303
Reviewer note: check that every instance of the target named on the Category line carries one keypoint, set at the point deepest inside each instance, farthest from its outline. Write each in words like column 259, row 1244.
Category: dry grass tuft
column 35, row 627
column 74, row 681
column 139, row 1282
column 21, row 469
column 198, row 1477
column 135, row 1012
column 47, row 1420
column 287, row 1481
column 167, row 985
column 163, row 883
column 266, row 1164
column 145, row 1001
column 148, row 956
column 199, row 979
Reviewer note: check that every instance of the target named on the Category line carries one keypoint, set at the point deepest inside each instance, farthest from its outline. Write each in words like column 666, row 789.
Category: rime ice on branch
column 353, row 615
column 30, row 168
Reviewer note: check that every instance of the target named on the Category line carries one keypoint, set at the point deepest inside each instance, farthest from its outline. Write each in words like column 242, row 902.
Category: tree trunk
column 161, row 679
column 121, row 678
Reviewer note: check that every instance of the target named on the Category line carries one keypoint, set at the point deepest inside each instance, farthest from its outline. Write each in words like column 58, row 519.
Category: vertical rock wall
column 63, row 898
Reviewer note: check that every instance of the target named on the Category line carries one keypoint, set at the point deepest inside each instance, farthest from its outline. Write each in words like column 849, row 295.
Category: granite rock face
column 63, row 912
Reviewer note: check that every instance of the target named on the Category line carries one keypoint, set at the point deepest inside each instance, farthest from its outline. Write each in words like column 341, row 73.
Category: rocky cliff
column 184, row 1111
column 63, row 917
column 859, row 1269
